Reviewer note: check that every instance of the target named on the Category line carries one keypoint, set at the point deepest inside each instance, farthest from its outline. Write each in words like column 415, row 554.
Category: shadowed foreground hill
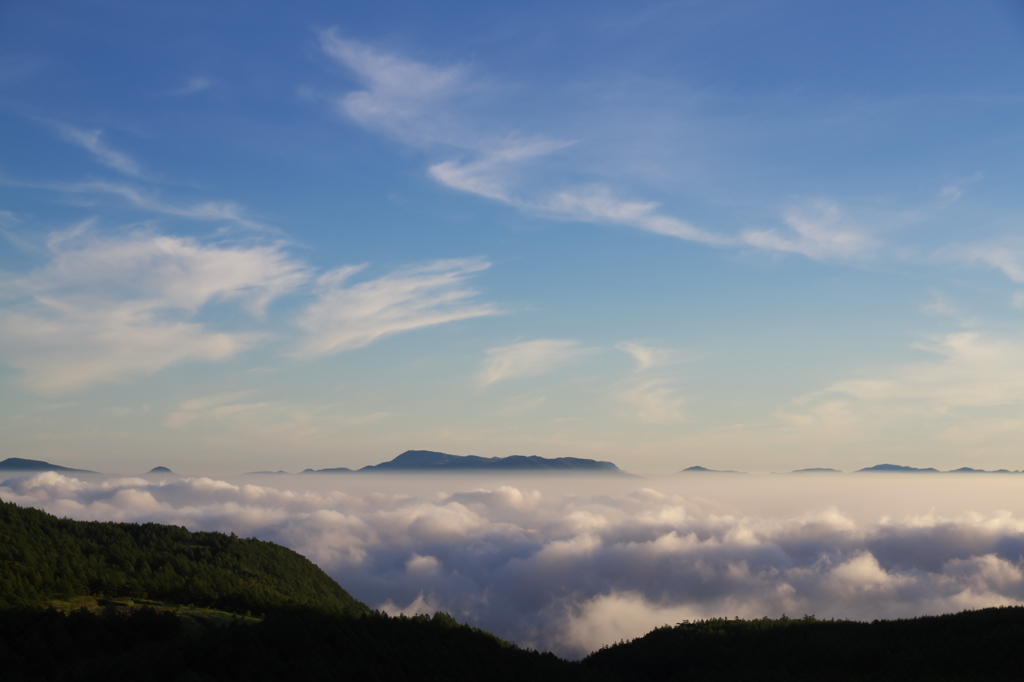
column 145, row 586
column 48, row 558
column 973, row 645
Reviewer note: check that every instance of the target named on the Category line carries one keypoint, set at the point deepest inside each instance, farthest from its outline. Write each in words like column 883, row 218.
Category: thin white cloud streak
column 403, row 97
column 647, row 357
column 410, row 101
column 653, row 401
column 92, row 141
column 963, row 401
column 975, row 370
column 817, row 231
column 107, row 309
column 489, row 175
column 207, row 211
column 296, row 424
column 345, row 317
column 569, row 570
column 224, row 211
column 192, row 86
column 599, row 204
column 1006, row 256
column 527, row 359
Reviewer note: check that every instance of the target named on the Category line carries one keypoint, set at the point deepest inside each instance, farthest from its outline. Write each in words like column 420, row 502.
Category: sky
column 755, row 235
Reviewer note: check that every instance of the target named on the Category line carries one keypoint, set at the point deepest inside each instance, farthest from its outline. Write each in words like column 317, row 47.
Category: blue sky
column 761, row 236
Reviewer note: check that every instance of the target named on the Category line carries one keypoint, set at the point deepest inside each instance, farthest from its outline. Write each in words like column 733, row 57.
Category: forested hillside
column 973, row 645
column 139, row 577
column 47, row 558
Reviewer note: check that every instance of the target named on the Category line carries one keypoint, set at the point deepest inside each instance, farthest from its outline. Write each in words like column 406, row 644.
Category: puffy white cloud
column 106, row 309
column 527, row 359
column 345, row 317
column 564, row 566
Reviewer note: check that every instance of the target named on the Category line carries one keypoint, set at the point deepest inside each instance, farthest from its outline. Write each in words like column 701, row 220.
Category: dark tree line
column 973, row 645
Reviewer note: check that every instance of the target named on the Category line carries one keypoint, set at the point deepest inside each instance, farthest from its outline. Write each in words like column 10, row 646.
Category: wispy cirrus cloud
column 192, row 86
column 816, row 231
column 111, row 308
column 973, row 370
column 207, row 211
column 403, row 98
column 1006, row 256
column 412, row 101
column 653, row 401
column 647, row 357
column 93, row 142
column 106, row 309
column 964, row 399
column 348, row 316
column 527, row 359
column 265, row 419
column 226, row 211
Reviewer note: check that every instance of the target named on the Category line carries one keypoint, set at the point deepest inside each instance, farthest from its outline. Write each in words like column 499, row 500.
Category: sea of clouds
column 569, row 564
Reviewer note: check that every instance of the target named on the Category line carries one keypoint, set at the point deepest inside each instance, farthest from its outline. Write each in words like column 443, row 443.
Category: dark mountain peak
column 335, row 470
column 969, row 470
column 19, row 464
column 428, row 460
column 705, row 470
column 160, row 470
column 897, row 468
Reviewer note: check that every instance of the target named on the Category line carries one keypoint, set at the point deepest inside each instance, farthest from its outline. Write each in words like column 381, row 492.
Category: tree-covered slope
column 312, row 629
column 973, row 645
column 44, row 558
column 146, row 645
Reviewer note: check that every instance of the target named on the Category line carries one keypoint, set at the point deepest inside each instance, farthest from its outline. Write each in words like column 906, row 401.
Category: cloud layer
column 568, row 565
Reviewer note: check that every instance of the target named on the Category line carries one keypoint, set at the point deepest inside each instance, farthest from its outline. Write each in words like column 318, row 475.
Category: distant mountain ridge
column 897, row 469
column 428, row 460
column 19, row 464
column 704, row 470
